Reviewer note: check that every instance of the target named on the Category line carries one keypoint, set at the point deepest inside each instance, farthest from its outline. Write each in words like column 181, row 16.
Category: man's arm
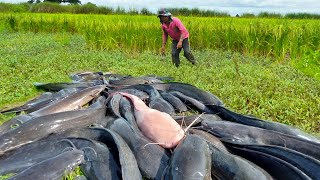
column 164, row 37
column 164, row 41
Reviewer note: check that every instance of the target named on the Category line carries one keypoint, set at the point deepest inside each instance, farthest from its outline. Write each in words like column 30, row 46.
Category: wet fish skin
column 43, row 126
column 55, row 96
column 158, row 126
column 253, row 135
column 152, row 159
column 127, row 112
column 32, row 153
column 18, row 120
column 14, row 123
column 191, row 102
column 178, row 105
column 57, row 86
column 189, row 90
column 118, row 147
column 101, row 164
column 187, row 120
column 86, row 76
column 114, row 105
column 228, row 166
column 190, row 160
column 135, row 80
column 71, row 102
column 228, row 115
column 141, row 94
column 155, row 99
column 303, row 162
column 276, row 167
column 208, row 137
column 54, row 168
column 43, row 97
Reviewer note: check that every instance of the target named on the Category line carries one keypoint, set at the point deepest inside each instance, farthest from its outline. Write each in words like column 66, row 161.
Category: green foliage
column 145, row 11
column 248, row 15
column 309, row 64
column 16, row 8
column 90, row 8
column 197, row 12
column 48, row 7
column 248, row 85
column 302, row 16
column 269, row 15
column 280, row 39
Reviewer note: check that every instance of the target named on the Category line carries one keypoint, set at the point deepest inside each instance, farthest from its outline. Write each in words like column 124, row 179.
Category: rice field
column 250, row 64
column 275, row 42
column 281, row 39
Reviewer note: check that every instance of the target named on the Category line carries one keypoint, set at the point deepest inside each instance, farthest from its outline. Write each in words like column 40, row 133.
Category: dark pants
column 186, row 49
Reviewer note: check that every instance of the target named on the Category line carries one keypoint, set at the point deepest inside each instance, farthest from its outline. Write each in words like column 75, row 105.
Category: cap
column 163, row 12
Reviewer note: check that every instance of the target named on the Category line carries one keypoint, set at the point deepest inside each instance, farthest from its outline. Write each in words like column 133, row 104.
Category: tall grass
column 90, row 8
column 280, row 39
column 247, row 85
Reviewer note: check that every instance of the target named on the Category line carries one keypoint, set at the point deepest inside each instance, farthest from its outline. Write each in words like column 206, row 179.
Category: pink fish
column 158, row 126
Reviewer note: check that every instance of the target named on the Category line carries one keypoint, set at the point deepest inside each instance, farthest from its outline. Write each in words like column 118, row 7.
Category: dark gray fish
column 228, row 166
column 276, row 167
column 98, row 102
column 253, row 135
column 191, row 91
column 57, row 86
column 305, row 163
column 42, row 126
column 208, row 137
column 81, row 177
column 55, row 96
column 112, row 76
column 228, row 115
column 54, row 168
column 135, row 80
column 162, row 78
column 117, row 146
column 30, row 154
column 190, row 160
column 187, row 120
column 155, row 99
column 14, row 123
column 43, row 100
column 86, row 76
column 101, row 164
column 71, row 102
column 152, row 159
column 140, row 94
column 29, row 104
column 20, row 119
column 114, row 105
column 191, row 102
column 127, row 112
column 178, row 105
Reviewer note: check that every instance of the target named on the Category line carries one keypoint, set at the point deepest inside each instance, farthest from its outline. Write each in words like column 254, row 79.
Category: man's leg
column 175, row 53
column 187, row 51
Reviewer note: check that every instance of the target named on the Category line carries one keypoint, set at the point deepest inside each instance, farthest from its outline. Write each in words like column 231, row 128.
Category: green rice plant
column 246, row 84
column 279, row 39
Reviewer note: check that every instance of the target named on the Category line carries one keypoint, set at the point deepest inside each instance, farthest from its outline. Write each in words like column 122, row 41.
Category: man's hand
column 179, row 45
column 163, row 50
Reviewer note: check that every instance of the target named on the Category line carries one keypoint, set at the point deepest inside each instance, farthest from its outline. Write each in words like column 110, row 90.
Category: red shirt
column 174, row 30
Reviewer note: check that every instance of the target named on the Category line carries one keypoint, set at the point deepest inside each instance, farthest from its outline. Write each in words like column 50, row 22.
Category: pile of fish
column 117, row 126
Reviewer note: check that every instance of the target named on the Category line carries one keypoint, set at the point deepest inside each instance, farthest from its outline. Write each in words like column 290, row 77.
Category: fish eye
column 13, row 126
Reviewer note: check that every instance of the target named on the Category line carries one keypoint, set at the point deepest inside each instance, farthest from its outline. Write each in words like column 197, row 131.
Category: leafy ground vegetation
column 261, row 87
